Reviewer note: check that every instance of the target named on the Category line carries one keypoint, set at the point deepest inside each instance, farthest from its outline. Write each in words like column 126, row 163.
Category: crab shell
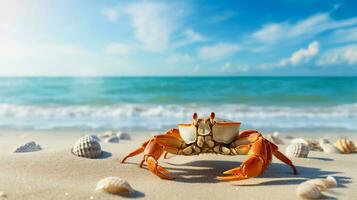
column 221, row 131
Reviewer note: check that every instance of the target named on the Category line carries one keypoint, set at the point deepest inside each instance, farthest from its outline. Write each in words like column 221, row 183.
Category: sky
column 178, row 38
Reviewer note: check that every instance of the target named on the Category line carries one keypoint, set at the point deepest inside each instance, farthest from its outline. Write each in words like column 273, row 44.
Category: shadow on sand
column 209, row 169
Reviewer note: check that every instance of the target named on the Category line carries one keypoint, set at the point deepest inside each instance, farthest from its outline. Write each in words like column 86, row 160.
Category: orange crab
column 209, row 135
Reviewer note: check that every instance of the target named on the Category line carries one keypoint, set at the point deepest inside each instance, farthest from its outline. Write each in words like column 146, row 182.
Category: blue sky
column 177, row 38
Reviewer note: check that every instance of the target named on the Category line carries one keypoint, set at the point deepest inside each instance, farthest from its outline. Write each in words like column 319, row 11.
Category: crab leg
column 136, row 152
column 155, row 147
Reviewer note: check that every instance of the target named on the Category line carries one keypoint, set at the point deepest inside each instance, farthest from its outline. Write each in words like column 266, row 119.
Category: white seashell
column 107, row 134
column 87, row 147
column 308, row 190
column 345, row 146
column 297, row 150
column 329, row 148
column 112, row 139
column 27, row 147
column 114, row 185
column 123, row 136
column 299, row 140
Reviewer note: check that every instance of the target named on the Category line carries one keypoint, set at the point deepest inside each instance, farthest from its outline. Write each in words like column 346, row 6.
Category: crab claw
column 250, row 168
column 157, row 169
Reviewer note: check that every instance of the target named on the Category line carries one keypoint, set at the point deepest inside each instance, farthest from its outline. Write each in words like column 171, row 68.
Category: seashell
column 299, row 140
column 297, row 150
column 112, row 139
column 114, row 185
column 322, row 184
column 274, row 139
column 87, row 147
column 107, row 134
column 345, row 146
column 308, row 191
column 314, row 145
column 123, row 136
column 329, row 148
column 324, row 141
column 94, row 137
column 27, row 147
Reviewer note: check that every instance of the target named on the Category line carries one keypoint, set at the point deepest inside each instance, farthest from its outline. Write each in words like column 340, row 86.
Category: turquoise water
column 156, row 103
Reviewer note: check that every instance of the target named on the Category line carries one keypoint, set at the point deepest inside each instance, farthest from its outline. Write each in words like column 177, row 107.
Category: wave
column 159, row 116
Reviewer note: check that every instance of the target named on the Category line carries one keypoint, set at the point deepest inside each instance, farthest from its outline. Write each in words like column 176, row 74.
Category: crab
column 210, row 135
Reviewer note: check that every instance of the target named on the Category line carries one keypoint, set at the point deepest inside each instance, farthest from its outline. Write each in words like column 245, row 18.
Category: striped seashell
column 345, row 146
column 114, row 185
column 297, row 150
column 299, row 140
column 94, row 137
column 87, row 147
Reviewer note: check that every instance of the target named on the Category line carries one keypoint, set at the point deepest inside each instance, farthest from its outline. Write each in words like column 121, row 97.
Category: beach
column 55, row 173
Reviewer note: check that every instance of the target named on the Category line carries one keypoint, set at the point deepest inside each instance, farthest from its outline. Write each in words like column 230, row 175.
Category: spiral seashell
column 87, row 147
column 345, row 146
column 308, row 191
column 297, row 150
column 114, row 185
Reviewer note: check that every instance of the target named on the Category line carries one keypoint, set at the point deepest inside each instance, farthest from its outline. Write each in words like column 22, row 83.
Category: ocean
column 145, row 103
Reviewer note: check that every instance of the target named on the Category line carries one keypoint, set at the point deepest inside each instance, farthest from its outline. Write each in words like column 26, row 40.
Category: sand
column 54, row 173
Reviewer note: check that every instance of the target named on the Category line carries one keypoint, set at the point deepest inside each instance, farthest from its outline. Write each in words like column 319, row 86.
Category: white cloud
column 308, row 27
column 343, row 35
column 346, row 55
column 228, row 14
column 118, row 49
column 189, row 37
column 218, row 51
column 302, row 55
column 111, row 14
column 154, row 24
